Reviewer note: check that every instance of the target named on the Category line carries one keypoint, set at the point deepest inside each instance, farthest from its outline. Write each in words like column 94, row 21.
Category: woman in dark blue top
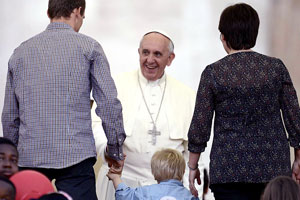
column 247, row 91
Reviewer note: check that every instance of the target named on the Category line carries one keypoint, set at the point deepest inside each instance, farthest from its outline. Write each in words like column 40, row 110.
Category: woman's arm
column 194, row 172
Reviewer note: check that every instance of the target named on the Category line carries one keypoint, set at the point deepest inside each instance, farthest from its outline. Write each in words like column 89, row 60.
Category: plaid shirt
column 47, row 99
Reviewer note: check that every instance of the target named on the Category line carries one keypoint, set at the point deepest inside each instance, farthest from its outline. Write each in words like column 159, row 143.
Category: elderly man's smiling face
column 154, row 55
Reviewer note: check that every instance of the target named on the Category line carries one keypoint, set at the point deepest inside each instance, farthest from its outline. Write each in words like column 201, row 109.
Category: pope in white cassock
column 157, row 111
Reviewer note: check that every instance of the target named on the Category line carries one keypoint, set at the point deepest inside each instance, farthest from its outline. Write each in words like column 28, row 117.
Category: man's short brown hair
column 64, row 8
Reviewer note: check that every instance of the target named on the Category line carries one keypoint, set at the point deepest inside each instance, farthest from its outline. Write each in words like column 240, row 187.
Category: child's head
column 281, row 187
column 167, row 164
column 7, row 189
column 55, row 196
column 8, row 157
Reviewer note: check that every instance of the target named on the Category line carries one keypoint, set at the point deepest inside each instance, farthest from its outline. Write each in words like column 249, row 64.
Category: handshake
column 115, row 170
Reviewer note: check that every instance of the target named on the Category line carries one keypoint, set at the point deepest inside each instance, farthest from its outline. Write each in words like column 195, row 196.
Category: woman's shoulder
column 270, row 62
column 266, row 57
column 244, row 57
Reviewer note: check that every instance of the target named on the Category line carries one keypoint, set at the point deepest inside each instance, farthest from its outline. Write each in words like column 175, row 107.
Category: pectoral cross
column 154, row 133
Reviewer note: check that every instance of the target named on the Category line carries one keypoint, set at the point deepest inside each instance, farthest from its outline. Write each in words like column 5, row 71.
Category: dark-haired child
column 8, row 158
column 7, row 189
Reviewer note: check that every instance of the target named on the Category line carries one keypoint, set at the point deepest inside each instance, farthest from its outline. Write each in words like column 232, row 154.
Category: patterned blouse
column 247, row 91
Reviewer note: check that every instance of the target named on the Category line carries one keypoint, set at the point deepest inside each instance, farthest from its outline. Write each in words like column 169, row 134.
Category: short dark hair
column 4, row 140
column 6, row 180
column 64, row 8
column 239, row 24
column 281, row 187
column 54, row 195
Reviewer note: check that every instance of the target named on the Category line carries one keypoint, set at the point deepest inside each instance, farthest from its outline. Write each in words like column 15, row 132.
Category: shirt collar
column 59, row 25
column 172, row 182
column 144, row 81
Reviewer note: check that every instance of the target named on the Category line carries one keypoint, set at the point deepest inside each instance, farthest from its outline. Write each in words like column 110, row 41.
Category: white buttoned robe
column 173, row 122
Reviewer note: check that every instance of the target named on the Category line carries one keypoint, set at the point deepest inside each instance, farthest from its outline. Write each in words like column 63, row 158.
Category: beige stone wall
column 285, row 36
column 285, row 39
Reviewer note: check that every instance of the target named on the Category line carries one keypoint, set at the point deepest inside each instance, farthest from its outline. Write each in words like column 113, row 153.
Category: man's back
column 51, row 80
column 47, row 102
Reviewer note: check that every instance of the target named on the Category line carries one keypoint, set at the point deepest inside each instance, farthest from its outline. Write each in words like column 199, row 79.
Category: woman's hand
column 296, row 166
column 194, row 174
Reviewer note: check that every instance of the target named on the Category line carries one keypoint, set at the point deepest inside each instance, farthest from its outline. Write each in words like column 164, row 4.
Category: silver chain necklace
column 154, row 132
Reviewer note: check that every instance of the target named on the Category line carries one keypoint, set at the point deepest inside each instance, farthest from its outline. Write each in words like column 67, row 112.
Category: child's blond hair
column 167, row 164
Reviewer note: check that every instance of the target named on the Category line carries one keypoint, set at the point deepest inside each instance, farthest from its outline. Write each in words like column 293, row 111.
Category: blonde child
column 167, row 167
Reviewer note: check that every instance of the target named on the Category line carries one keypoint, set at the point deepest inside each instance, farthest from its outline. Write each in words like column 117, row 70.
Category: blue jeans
column 77, row 180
